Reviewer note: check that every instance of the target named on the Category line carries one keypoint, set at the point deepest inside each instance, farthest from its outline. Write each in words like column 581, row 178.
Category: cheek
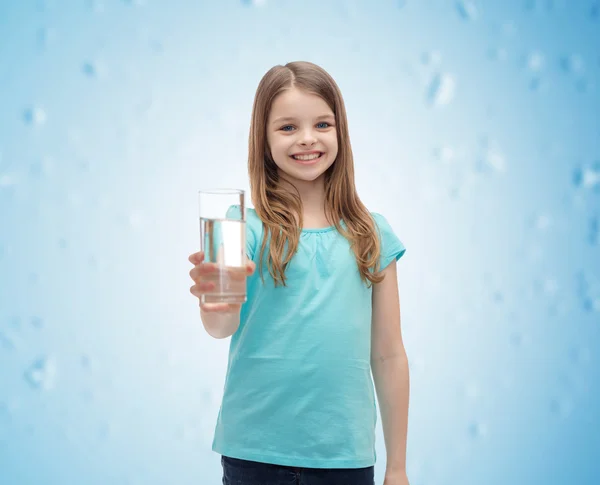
column 278, row 150
column 333, row 143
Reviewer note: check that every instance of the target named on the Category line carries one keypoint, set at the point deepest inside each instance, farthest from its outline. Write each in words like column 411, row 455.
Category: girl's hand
column 200, row 273
column 395, row 478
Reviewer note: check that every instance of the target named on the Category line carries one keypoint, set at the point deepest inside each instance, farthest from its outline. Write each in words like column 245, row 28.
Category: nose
column 308, row 138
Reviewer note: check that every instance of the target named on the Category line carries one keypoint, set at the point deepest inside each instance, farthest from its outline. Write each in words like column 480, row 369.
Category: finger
column 224, row 273
column 250, row 267
column 236, row 274
column 195, row 273
column 194, row 290
column 203, row 269
column 202, row 287
column 196, row 258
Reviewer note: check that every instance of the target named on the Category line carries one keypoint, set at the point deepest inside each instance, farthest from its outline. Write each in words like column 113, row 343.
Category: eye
column 319, row 125
column 284, row 128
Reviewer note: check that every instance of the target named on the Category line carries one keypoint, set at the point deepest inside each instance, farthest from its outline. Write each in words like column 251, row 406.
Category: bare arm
column 389, row 365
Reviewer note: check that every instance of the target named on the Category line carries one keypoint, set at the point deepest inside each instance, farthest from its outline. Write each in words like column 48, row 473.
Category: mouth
column 307, row 159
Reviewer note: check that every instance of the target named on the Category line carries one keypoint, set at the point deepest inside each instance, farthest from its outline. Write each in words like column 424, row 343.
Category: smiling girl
column 320, row 332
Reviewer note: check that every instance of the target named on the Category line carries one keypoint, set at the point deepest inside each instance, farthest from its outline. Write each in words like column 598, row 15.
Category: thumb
column 196, row 258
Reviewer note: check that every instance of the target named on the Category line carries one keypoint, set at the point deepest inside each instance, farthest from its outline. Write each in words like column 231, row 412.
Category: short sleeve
column 392, row 249
column 253, row 228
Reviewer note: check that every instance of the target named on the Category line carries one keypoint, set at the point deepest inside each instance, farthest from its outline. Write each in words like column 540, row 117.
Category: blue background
column 476, row 132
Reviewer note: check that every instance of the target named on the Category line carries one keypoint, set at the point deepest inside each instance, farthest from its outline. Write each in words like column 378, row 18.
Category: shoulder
column 253, row 222
column 252, row 219
column 381, row 223
column 235, row 212
column 377, row 216
column 391, row 246
column 254, row 225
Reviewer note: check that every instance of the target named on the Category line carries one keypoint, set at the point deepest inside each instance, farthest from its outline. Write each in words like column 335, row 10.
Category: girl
column 322, row 311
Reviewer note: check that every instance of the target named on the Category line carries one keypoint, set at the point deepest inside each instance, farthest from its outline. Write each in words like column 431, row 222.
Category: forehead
column 297, row 103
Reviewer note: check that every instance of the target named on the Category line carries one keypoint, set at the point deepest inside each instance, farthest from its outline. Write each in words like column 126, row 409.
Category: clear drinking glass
column 223, row 240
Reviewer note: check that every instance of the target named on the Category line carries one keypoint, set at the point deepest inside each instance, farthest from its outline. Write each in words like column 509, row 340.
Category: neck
column 312, row 195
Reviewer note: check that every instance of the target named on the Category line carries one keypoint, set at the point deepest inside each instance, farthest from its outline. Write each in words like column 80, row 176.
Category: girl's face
column 301, row 134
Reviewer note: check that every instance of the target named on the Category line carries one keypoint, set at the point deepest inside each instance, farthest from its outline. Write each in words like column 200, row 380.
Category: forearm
column 392, row 385
column 220, row 325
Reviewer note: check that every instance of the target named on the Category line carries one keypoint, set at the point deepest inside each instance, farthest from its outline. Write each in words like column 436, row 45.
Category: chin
column 306, row 175
column 306, row 178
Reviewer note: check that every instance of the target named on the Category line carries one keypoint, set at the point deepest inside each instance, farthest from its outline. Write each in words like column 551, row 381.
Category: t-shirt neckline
column 319, row 229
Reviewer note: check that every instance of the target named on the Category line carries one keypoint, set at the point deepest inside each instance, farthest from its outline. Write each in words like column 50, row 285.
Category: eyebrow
column 291, row 118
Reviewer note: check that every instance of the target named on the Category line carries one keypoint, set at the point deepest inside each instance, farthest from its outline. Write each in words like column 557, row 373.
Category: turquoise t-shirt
column 298, row 389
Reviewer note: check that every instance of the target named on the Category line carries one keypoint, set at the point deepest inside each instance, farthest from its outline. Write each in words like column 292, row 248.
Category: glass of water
column 223, row 240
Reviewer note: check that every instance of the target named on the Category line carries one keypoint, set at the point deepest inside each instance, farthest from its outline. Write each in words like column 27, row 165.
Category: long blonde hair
column 279, row 209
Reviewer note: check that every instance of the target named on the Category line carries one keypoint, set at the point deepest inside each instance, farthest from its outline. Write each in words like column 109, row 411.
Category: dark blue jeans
column 243, row 472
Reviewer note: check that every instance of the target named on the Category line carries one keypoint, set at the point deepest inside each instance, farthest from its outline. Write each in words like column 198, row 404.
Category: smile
column 307, row 159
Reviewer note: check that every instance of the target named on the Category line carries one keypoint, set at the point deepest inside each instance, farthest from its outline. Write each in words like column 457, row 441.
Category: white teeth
column 307, row 157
